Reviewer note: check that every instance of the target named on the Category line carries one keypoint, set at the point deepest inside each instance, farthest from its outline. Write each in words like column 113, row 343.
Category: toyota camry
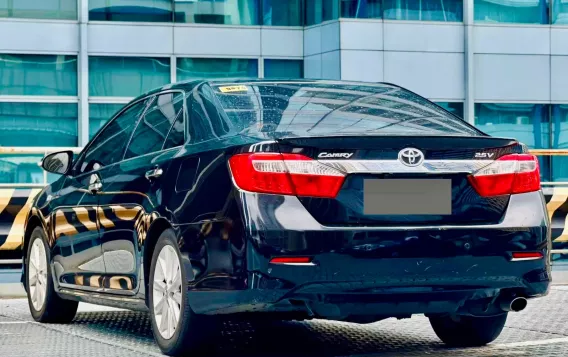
column 294, row 200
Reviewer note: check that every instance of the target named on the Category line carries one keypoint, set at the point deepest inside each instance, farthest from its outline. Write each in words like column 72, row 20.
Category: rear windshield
column 303, row 109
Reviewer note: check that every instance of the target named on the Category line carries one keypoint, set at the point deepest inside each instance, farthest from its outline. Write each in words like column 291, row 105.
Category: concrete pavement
column 540, row 330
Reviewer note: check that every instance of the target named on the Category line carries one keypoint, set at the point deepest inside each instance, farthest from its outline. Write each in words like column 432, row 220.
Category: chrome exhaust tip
column 514, row 304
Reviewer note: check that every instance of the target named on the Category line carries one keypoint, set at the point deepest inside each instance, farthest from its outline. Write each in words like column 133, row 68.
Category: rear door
column 134, row 188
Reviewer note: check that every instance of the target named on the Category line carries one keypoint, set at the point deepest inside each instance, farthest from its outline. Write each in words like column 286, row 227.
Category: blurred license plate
column 407, row 196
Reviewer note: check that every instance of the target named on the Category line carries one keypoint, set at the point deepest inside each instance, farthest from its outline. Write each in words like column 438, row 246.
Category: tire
column 191, row 332
column 468, row 331
column 50, row 308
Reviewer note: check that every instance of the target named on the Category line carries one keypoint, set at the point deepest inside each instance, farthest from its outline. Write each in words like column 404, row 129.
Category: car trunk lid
column 382, row 187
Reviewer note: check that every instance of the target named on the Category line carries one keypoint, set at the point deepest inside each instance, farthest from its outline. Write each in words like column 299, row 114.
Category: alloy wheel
column 167, row 292
column 37, row 275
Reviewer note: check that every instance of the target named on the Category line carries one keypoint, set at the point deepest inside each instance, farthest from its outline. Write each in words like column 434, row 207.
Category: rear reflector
column 510, row 174
column 285, row 174
column 291, row 260
column 516, row 256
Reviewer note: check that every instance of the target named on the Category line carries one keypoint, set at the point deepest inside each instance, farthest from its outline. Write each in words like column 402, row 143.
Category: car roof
column 190, row 84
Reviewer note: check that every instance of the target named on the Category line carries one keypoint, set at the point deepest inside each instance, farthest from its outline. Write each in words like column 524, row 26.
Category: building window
column 528, row 123
column 34, row 9
column 227, row 12
column 559, row 164
column 282, row 13
column 560, row 12
column 559, row 126
column 559, row 141
column 126, row 76
column 38, row 75
column 361, row 9
column 223, row 12
column 521, row 12
column 318, row 11
column 424, row 10
column 282, row 68
column 190, row 68
column 99, row 114
column 136, row 10
column 455, row 108
column 38, row 124
column 20, row 168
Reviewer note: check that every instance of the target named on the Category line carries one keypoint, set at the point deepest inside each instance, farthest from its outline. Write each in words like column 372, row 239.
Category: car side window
column 108, row 147
column 176, row 136
column 219, row 125
column 154, row 126
column 204, row 118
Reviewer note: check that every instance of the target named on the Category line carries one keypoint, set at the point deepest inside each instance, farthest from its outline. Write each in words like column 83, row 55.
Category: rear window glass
column 288, row 109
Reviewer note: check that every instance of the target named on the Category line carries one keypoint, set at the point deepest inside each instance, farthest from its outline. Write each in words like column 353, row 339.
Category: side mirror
column 58, row 162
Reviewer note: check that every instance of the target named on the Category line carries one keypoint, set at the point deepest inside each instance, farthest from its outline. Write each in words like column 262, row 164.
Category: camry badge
column 411, row 156
column 344, row 155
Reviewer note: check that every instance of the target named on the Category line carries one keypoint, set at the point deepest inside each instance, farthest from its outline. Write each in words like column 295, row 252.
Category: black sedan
column 290, row 199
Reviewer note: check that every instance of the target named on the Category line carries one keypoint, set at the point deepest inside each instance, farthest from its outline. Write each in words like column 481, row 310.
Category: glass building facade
column 59, row 89
column 288, row 12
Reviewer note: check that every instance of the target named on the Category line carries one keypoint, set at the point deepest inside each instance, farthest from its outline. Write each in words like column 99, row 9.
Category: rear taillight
column 519, row 256
column 510, row 174
column 285, row 174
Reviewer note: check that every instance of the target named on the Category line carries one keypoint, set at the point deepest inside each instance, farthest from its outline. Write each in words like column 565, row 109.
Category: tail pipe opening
column 513, row 303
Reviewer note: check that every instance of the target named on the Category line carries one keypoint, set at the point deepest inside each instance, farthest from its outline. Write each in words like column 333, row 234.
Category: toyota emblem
column 411, row 156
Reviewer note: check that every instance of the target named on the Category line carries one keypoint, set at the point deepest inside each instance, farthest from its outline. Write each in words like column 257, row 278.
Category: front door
column 133, row 190
column 76, row 215
column 77, row 253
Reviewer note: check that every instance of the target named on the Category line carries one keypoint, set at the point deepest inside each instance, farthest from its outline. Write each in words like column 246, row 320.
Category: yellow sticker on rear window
column 231, row 89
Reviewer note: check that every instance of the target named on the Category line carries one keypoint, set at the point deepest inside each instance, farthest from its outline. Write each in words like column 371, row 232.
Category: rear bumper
column 375, row 289
column 374, row 272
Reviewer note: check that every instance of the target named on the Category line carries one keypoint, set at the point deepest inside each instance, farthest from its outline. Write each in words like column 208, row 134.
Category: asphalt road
column 540, row 330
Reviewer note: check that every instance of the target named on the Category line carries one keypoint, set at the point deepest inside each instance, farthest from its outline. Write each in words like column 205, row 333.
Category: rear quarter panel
column 202, row 199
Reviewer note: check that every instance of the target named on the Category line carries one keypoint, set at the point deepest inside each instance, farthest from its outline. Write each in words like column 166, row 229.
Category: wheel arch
column 33, row 222
column 154, row 232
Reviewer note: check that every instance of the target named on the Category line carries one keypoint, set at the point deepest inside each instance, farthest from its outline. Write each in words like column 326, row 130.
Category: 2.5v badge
column 484, row 155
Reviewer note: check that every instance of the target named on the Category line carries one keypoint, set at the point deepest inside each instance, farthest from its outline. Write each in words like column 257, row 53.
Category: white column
column 173, row 68
column 83, row 68
column 469, row 65
column 260, row 67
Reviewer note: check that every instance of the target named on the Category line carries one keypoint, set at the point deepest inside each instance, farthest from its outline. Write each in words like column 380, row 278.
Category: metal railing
column 551, row 152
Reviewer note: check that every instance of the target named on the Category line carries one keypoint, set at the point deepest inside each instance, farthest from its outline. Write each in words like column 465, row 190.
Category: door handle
column 95, row 187
column 154, row 173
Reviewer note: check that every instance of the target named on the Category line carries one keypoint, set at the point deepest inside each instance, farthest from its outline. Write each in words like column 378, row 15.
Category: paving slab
column 539, row 330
